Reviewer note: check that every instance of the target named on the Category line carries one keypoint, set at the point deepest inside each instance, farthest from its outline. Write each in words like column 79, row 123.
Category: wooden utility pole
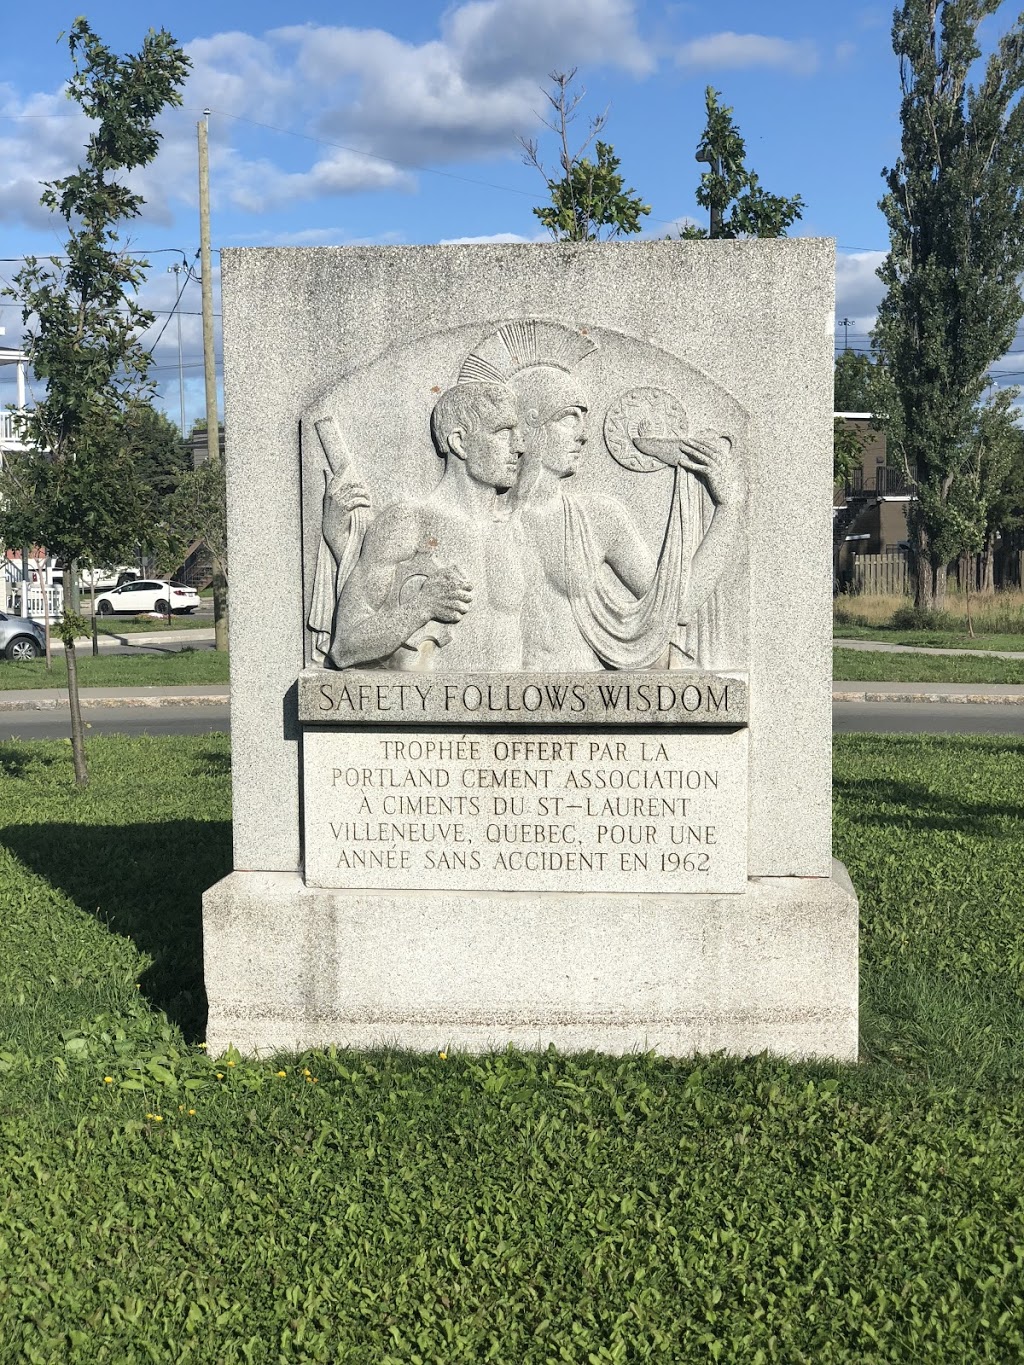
column 220, row 579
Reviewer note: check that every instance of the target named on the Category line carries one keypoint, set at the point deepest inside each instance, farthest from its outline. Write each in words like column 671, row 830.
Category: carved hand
column 663, row 448
column 344, row 495
column 710, row 456
column 445, row 596
column 706, row 455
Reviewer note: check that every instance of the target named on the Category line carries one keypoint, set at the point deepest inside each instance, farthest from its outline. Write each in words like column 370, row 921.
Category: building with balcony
column 869, row 510
column 10, row 434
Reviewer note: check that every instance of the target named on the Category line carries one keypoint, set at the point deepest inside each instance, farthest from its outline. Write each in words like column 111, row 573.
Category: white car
column 147, row 595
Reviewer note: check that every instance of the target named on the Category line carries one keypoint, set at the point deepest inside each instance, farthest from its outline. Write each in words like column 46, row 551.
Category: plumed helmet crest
column 516, row 346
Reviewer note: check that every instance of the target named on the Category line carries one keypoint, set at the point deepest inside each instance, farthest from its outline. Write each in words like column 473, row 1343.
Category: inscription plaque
column 552, row 811
column 372, row 697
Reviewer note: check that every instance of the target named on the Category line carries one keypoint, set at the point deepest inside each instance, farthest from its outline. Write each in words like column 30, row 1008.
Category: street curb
column 61, row 703
column 957, row 698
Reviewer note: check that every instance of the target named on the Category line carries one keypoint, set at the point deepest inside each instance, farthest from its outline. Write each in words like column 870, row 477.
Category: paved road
column 157, row 642
column 118, row 720
column 922, row 718
column 847, row 718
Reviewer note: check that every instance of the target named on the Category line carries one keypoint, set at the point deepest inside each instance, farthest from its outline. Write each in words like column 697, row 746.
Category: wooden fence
column 885, row 574
column 889, row 575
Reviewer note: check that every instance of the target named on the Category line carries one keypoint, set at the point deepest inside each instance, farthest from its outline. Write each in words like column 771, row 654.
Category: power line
column 184, row 286
column 133, row 251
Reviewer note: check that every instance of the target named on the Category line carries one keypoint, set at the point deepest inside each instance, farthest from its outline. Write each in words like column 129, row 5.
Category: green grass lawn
column 196, row 668
column 865, row 665
column 156, row 1205
column 146, row 625
column 930, row 639
column 871, row 666
column 208, row 668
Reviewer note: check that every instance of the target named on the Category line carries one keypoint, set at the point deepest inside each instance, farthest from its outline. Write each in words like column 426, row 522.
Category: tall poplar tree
column 78, row 492
column 955, row 209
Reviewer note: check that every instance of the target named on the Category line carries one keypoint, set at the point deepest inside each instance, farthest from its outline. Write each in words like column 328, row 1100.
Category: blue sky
column 397, row 122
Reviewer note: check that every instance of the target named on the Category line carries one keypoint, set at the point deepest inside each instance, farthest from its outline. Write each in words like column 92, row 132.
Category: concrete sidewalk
column 110, row 638
column 882, row 647
column 53, row 698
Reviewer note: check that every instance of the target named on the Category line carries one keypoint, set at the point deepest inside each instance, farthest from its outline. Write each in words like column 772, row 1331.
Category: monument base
column 771, row 969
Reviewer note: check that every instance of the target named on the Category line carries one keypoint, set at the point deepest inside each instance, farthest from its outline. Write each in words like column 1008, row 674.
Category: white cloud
column 257, row 186
column 501, row 38
column 41, row 140
column 334, row 236
column 734, row 51
column 858, row 288
column 495, row 237
column 393, row 105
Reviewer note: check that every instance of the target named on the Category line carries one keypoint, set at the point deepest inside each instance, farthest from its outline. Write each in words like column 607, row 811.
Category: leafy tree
column 158, row 451
column 79, row 492
column 999, row 466
column 854, row 382
column 861, row 385
column 847, row 445
column 955, row 211
column 737, row 205
column 197, row 510
column 589, row 200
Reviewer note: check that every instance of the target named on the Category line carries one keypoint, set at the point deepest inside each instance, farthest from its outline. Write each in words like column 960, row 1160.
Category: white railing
column 26, row 599
column 10, row 429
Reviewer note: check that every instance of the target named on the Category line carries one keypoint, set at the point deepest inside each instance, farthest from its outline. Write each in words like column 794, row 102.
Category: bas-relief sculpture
column 519, row 558
column 501, row 522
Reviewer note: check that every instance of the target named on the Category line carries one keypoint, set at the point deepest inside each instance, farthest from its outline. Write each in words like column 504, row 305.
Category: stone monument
column 531, row 651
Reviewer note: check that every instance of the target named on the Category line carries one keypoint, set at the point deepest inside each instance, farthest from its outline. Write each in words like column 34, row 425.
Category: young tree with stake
column 78, row 491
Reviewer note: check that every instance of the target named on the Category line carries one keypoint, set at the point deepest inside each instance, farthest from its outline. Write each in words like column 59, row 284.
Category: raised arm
column 712, row 459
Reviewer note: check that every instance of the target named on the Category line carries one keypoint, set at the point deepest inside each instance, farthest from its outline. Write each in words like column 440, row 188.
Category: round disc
column 653, row 412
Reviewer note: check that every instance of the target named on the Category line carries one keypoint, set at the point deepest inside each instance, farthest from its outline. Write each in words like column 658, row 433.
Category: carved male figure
column 576, row 618
column 439, row 583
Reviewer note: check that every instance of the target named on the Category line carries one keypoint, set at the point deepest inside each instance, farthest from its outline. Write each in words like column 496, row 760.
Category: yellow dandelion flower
column 443, row 1056
column 157, row 1118
column 200, row 1045
column 230, row 1063
column 220, row 1075
column 108, row 1080
column 282, row 1073
column 191, row 1111
column 306, row 1071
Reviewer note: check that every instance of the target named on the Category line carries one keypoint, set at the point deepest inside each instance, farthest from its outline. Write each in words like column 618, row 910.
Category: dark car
column 20, row 638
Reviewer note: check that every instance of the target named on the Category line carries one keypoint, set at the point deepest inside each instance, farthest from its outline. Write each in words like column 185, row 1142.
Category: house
column 869, row 510
column 25, row 572
column 10, row 436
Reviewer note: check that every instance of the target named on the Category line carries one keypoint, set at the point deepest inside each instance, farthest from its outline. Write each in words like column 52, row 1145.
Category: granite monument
column 543, row 756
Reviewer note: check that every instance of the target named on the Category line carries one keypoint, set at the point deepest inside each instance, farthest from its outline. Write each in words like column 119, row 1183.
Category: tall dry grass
column 1000, row 613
